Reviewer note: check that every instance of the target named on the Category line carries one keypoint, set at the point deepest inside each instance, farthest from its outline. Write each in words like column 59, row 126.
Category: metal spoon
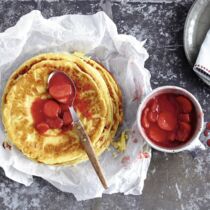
column 84, row 138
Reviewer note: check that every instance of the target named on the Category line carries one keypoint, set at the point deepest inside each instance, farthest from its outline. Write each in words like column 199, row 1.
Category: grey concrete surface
column 175, row 181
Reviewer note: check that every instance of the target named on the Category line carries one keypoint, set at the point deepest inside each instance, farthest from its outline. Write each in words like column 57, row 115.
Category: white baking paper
column 96, row 35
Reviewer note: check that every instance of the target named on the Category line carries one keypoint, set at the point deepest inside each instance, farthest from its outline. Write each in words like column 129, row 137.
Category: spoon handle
column 87, row 145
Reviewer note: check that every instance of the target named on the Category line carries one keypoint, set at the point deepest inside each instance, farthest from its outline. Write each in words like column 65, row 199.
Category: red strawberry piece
column 206, row 133
column 166, row 104
column 60, row 91
column 51, row 108
column 167, row 121
column 172, row 136
column 183, row 132
column 64, row 107
column 54, row 122
column 156, row 134
column 154, row 105
column 185, row 104
column 42, row 127
column 184, row 118
column 208, row 142
column 153, row 116
column 144, row 119
column 208, row 125
column 67, row 119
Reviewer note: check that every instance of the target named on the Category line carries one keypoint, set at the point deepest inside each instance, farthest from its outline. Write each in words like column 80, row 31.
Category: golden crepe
column 29, row 82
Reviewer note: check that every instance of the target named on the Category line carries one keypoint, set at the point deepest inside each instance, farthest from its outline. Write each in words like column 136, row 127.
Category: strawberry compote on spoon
column 53, row 113
column 61, row 88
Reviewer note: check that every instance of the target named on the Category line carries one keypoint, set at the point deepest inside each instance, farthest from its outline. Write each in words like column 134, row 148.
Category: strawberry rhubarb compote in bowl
column 170, row 119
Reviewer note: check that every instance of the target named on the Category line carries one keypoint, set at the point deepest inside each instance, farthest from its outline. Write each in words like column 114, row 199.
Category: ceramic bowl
column 198, row 110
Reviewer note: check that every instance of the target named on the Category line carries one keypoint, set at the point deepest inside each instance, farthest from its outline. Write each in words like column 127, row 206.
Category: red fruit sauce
column 169, row 120
column 47, row 114
column 53, row 113
column 60, row 88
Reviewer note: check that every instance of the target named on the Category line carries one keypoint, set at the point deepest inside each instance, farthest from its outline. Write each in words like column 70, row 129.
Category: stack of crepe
column 96, row 88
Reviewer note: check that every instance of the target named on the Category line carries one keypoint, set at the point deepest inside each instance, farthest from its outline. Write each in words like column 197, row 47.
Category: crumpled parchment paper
column 95, row 35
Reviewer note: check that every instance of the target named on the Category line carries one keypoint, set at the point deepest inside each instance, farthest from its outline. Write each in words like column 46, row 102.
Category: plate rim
column 185, row 32
column 186, row 27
